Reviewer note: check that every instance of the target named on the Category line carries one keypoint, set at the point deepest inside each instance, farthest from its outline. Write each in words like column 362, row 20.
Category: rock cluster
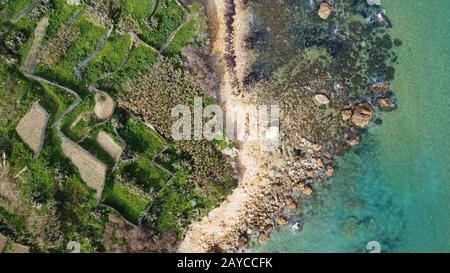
column 277, row 202
column 360, row 115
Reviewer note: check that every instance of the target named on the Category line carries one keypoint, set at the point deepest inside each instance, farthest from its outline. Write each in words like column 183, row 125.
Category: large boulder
column 362, row 115
column 322, row 99
column 325, row 10
column 346, row 114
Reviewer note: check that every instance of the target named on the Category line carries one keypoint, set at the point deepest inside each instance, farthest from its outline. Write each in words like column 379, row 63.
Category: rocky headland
column 329, row 90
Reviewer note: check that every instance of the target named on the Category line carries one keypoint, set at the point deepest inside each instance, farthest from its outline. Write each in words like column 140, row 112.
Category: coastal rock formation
column 362, row 115
column 325, row 10
column 346, row 114
column 385, row 104
column 322, row 99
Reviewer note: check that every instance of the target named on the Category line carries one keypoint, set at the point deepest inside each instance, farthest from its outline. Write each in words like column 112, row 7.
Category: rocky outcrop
column 385, row 104
column 362, row 115
column 346, row 114
column 325, row 11
column 322, row 99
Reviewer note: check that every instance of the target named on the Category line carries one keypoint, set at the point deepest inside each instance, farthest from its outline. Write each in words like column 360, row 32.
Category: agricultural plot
column 31, row 128
column 177, row 200
column 109, row 58
column 92, row 171
column 95, row 152
column 140, row 59
column 167, row 17
column 189, row 32
column 145, row 174
column 141, row 138
column 64, row 15
column 109, row 145
column 130, row 203
column 90, row 36
column 80, row 121
column 10, row 9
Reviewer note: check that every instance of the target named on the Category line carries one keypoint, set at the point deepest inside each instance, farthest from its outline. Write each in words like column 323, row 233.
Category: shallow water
column 395, row 187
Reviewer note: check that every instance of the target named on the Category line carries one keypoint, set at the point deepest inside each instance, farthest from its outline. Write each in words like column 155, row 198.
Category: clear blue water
column 395, row 187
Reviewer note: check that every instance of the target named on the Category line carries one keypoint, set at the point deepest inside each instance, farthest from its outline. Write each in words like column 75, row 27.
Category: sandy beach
column 222, row 226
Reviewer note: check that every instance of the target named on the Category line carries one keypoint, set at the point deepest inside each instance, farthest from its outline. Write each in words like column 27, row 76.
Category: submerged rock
column 374, row 2
column 350, row 227
column 385, row 104
column 362, row 115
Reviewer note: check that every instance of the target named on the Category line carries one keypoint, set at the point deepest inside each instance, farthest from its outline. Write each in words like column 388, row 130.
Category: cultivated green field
column 98, row 45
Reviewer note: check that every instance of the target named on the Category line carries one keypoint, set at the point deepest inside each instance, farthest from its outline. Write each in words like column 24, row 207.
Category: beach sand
column 223, row 226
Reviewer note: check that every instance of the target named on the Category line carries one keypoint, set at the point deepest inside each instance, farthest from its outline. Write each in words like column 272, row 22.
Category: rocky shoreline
column 273, row 185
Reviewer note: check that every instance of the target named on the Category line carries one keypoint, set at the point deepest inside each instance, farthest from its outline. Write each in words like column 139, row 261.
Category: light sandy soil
column 109, row 145
column 92, row 171
column 31, row 128
column 3, row 241
column 104, row 105
column 222, row 224
column 18, row 248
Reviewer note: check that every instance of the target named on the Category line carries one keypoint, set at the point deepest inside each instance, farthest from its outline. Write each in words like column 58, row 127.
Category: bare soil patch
column 92, row 171
column 109, row 145
column 31, row 128
column 104, row 105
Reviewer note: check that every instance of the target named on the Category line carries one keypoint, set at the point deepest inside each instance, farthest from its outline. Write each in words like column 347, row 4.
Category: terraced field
column 141, row 174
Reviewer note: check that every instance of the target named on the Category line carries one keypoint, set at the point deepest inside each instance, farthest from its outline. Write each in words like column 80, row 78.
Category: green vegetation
column 176, row 206
column 79, row 122
column 109, row 58
column 12, row 8
column 145, row 174
column 64, row 72
column 189, row 32
column 140, row 9
column 61, row 16
column 141, row 58
column 130, row 204
column 165, row 20
column 168, row 184
column 55, row 101
column 141, row 138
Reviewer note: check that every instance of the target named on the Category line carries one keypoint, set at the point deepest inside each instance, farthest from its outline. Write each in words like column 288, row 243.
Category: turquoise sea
column 393, row 189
